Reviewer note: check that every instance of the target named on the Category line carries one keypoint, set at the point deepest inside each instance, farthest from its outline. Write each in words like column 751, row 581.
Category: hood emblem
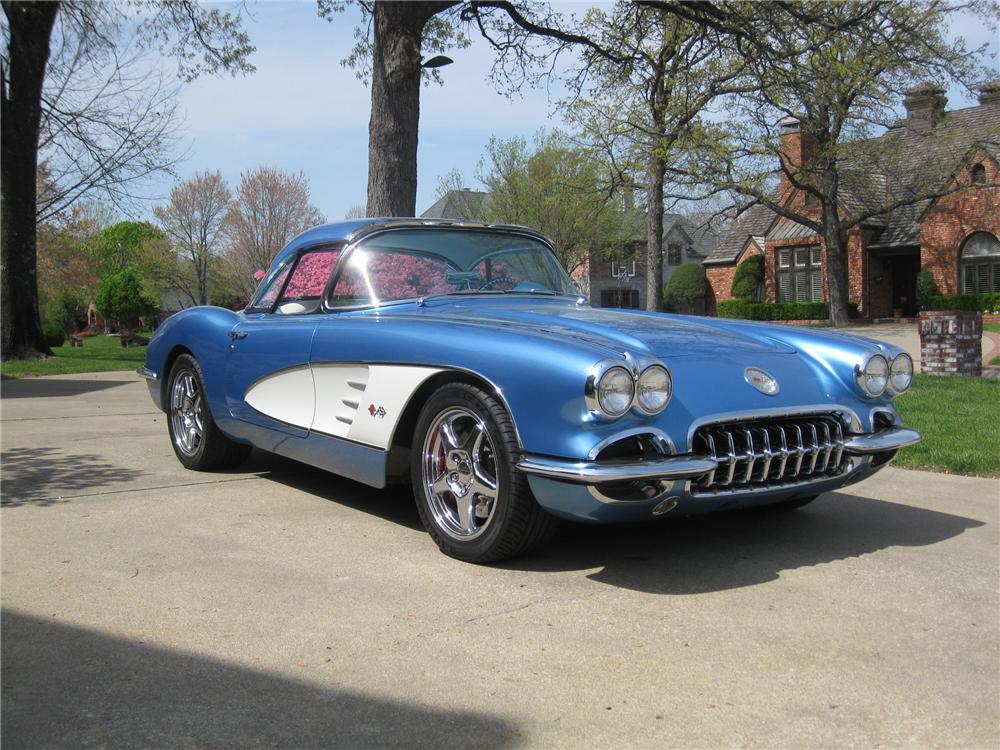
column 761, row 380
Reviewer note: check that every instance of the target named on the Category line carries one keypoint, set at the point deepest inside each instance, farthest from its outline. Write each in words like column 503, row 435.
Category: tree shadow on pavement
column 721, row 551
column 50, row 387
column 66, row 686
column 40, row 476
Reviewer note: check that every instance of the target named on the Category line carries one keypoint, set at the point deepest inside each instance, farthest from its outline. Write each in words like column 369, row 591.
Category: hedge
column 981, row 302
column 742, row 308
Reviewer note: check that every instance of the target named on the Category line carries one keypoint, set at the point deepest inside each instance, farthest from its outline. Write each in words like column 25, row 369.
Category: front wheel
column 197, row 440
column 473, row 502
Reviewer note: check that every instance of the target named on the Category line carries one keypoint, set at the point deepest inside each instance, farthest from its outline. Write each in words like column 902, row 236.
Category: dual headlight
column 613, row 389
column 879, row 375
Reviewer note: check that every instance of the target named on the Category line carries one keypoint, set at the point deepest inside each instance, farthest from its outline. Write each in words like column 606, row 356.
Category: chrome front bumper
column 154, row 385
column 688, row 466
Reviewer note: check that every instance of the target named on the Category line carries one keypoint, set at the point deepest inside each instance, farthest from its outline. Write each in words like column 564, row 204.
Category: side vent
column 339, row 393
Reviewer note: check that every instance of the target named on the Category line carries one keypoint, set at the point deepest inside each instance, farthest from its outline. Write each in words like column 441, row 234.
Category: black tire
column 515, row 524
column 786, row 505
column 212, row 450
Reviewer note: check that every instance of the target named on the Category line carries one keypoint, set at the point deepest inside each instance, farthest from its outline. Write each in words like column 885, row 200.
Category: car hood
column 617, row 330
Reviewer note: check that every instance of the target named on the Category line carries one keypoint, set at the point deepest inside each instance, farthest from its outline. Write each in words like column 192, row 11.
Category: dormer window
column 979, row 175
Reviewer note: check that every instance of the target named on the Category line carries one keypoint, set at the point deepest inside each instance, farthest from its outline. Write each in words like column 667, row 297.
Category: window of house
column 673, row 254
column 624, row 298
column 979, row 175
column 980, row 264
column 800, row 274
column 622, row 268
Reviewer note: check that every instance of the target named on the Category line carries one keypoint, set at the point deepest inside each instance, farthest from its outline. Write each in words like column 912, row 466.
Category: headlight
column 615, row 391
column 900, row 373
column 654, row 389
column 874, row 376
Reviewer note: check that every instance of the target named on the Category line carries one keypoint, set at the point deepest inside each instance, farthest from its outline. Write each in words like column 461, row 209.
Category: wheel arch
column 168, row 364
column 403, row 433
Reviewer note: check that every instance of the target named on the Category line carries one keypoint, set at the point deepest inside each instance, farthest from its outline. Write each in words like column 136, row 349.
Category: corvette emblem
column 376, row 411
column 762, row 381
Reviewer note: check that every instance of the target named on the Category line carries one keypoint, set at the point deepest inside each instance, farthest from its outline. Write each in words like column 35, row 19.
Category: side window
column 310, row 276
column 271, row 287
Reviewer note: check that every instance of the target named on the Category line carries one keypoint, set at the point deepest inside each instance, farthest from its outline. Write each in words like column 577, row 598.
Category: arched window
column 980, row 264
column 979, row 175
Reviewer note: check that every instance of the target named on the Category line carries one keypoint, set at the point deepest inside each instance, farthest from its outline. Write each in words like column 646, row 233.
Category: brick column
column 951, row 342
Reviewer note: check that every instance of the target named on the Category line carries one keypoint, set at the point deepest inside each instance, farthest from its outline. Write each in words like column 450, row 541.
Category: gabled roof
column 461, row 204
column 753, row 221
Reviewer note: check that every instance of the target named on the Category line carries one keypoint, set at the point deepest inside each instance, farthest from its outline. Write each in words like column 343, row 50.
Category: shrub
column 926, row 288
column 53, row 334
column 741, row 308
column 122, row 298
column 63, row 310
column 980, row 302
column 748, row 281
column 686, row 287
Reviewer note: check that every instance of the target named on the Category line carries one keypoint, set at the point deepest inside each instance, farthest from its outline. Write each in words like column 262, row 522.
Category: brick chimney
column 989, row 92
column 797, row 148
column 925, row 106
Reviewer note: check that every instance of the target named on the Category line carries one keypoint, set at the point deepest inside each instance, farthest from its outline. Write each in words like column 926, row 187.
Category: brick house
column 954, row 236
column 620, row 281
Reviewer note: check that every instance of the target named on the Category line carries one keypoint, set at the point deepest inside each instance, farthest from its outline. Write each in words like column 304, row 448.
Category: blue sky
column 302, row 110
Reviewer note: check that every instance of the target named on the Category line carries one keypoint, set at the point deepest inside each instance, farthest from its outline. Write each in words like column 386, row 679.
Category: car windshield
column 411, row 263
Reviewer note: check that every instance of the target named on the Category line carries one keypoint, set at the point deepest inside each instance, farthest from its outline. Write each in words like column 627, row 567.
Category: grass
column 995, row 327
column 98, row 354
column 960, row 421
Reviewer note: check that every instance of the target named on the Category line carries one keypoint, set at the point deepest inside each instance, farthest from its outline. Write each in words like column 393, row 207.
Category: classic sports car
column 461, row 356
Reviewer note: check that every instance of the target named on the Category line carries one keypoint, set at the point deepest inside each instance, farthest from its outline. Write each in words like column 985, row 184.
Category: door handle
column 237, row 335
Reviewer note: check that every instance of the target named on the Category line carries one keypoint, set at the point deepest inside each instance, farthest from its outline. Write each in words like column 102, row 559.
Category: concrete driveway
column 146, row 606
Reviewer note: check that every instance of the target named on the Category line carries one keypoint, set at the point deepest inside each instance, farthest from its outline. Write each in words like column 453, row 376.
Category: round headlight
column 654, row 389
column 615, row 391
column 875, row 375
column 900, row 373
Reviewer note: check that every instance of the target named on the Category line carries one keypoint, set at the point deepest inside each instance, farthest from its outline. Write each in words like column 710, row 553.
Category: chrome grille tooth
column 814, row 450
column 800, row 450
column 840, row 445
column 750, row 456
column 827, row 447
column 784, row 452
column 732, row 457
column 767, row 455
column 710, row 477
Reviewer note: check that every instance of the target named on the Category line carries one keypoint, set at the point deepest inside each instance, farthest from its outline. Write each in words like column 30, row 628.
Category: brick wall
column 953, row 218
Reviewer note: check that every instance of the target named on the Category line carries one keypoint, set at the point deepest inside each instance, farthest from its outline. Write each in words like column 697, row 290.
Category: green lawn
column 98, row 354
column 995, row 327
column 960, row 422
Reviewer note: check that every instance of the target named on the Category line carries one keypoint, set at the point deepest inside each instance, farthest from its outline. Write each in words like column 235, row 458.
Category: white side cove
column 362, row 403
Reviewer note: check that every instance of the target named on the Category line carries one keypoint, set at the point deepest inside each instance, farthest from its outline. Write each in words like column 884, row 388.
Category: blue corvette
column 460, row 357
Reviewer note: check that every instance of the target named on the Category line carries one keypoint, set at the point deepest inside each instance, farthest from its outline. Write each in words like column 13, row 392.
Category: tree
column 122, row 298
column 560, row 190
column 65, row 309
column 120, row 246
column 835, row 80
column 28, row 27
column 271, row 207
column 748, row 281
column 642, row 105
column 393, row 37
column 65, row 261
column 686, row 287
column 202, row 40
column 194, row 220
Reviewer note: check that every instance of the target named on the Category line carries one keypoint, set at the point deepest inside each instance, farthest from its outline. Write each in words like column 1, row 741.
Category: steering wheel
column 498, row 280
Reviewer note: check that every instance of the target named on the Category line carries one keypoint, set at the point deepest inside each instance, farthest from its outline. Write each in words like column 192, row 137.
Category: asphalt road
column 147, row 606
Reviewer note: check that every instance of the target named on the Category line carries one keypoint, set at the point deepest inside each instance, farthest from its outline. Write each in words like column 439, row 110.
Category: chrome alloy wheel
column 460, row 477
column 187, row 413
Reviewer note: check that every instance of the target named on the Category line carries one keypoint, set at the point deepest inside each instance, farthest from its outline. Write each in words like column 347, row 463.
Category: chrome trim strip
column 147, row 373
column 591, row 472
column 885, row 440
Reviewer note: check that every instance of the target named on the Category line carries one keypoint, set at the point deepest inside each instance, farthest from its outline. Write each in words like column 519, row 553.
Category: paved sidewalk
column 278, row 606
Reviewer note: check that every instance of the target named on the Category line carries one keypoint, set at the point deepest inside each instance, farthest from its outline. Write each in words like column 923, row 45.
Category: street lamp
column 438, row 61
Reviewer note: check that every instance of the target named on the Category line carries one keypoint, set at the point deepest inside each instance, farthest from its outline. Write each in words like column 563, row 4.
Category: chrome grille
column 770, row 453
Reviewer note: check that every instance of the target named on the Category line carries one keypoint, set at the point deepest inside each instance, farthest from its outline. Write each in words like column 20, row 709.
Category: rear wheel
column 197, row 441
column 473, row 502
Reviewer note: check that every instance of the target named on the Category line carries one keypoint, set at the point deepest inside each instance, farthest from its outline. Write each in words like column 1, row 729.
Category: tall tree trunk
column 836, row 265
column 29, row 27
column 395, row 116
column 654, row 233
